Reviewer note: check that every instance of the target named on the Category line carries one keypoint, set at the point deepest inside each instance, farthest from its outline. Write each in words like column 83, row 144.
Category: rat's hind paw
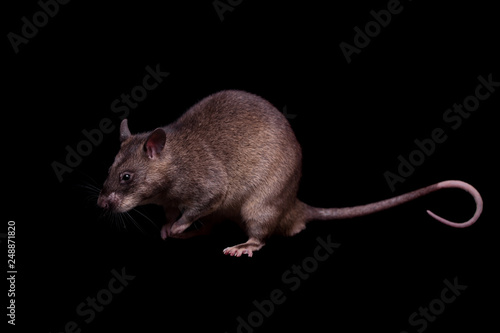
column 248, row 248
column 237, row 252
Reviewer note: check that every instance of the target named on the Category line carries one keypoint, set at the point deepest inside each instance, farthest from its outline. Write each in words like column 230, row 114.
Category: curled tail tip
column 471, row 190
column 453, row 224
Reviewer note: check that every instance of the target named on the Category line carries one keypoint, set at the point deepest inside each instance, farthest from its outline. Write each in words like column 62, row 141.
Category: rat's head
column 136, row 176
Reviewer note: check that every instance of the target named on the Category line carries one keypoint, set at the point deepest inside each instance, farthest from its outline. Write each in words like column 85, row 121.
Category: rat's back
column 252, row 139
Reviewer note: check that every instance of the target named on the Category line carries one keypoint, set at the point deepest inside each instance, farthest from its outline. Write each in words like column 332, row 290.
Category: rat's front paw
column 177, row 229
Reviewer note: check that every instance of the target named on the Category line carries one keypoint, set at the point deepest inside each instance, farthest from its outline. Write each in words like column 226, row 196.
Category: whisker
column 198, row 224
column 112, row 219
column 89, row 187
column 147, row 218
column 90, row 192
column 122, row 220
column 135, row 223
column 89, row 179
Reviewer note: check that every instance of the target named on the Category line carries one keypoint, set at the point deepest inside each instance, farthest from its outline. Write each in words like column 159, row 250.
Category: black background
column 352, row 120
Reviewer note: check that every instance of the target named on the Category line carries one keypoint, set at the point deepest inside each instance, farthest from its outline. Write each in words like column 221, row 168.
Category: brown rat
column 232, row 155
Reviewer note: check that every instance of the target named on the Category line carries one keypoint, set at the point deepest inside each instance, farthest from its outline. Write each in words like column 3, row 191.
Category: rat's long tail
column 314, row 213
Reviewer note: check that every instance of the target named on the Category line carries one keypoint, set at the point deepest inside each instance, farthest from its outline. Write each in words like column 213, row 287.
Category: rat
column 233, row 156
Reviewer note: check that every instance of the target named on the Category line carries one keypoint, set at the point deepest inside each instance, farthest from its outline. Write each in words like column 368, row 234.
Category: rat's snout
column 108, row 201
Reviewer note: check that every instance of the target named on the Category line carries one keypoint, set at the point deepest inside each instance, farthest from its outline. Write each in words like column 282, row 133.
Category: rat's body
column 232, row 155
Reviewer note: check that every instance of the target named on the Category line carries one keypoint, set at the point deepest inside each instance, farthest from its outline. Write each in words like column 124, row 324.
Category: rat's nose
column 103, row 202
column 108, row 202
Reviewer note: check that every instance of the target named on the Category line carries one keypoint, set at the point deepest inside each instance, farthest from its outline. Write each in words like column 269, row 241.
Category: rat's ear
column 124, row 131
column 155, row 142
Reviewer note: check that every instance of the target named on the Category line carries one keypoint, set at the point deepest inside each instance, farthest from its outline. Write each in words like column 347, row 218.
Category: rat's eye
column 125, row 177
